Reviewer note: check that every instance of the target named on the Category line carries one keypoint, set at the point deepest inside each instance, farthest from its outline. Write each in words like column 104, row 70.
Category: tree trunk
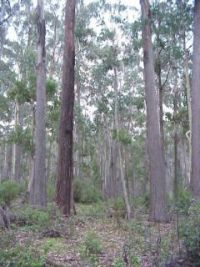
column 154, row 139
column 17, row 149
column 7, row 168
column 122, row 177
column 195, row 94
column 65, row 150
column 176, row 142
column 38, row 188
column 188, row 93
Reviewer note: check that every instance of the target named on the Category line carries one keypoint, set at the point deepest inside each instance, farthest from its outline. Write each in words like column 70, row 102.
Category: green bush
column 190, row 233
column 36, row 217
column 86, row 193
column 183, row 202
column 118, row 263
column 20, row 257
column 9, row 190
column 92, row 244
column 142, row 202
column 118, row 207
column 91, row 248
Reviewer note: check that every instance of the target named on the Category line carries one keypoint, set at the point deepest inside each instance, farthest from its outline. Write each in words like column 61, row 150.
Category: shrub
column 118, row 263
column 91, row 248
column 36, row 217
column 190, row 233
column 20, row 257
column 85, row 192
column 9, row 190
column 184, row 201
column 92, row 243
column 142, row 202
column 118, row 208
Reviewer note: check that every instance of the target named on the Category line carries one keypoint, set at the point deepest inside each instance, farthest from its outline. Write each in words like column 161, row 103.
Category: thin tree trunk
column 17, row 149
column 188, row 93
column 7, row 169
column 154, row 139
column 65, row 153
column 38, row 189
column 195, row 177
column 49, row 160
column 122, row 177
column 176, row 142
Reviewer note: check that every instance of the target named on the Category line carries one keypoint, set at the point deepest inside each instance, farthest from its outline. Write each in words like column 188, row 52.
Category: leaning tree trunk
column 38, row 188
column 195, row 94
column 65, row 150
column 154, row 139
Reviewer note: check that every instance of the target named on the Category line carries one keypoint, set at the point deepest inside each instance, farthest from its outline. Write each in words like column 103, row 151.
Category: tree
column 195, row 94
column 38, row 187
column 65, row 149
column 154, row 139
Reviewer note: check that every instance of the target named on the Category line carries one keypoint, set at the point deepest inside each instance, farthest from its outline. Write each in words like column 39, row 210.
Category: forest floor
column 91, row 238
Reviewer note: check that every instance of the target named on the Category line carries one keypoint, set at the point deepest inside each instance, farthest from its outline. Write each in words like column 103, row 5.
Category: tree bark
column 154, row 139
column 7, row 168
column 195, row 94
column 176, row 143
column 17, row 148
column 65, row 150
column 38, row 189
column 122, row 176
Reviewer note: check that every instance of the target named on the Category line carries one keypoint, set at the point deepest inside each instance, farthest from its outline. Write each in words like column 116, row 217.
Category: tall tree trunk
column 154, row 140
column 188, row 93
column 17, row 149
column 122, row 176
column 195, row 94
column 65, row 150
column 176, row 142
column 38, row 189
column 78, row 132
column 7, row 168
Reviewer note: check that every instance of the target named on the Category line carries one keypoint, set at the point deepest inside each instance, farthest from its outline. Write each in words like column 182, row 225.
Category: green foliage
column 91, row 248
column 85, row 192
column 35, row 217
column 184, row 201
column 122, row 136
column 92, row 243
column 51, row 87
column 53, row 244
column 142, row 202
column 22, row 137
column 20, row 257
column 95, row 210
column 118, row 207
column 9, row 190
column 4, row 108
column 190, row 233
column 12, row 255
column 51, row 191
column 118, row 263
column 20, row 92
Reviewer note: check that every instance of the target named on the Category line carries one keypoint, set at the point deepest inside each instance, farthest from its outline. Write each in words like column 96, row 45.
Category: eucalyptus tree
column 65, row 150
column 195, row 177
column 154, row 139
column 38, row 187
column 171, row 24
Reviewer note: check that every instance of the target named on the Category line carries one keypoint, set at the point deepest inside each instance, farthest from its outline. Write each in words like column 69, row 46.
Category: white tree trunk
column 38, row 187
